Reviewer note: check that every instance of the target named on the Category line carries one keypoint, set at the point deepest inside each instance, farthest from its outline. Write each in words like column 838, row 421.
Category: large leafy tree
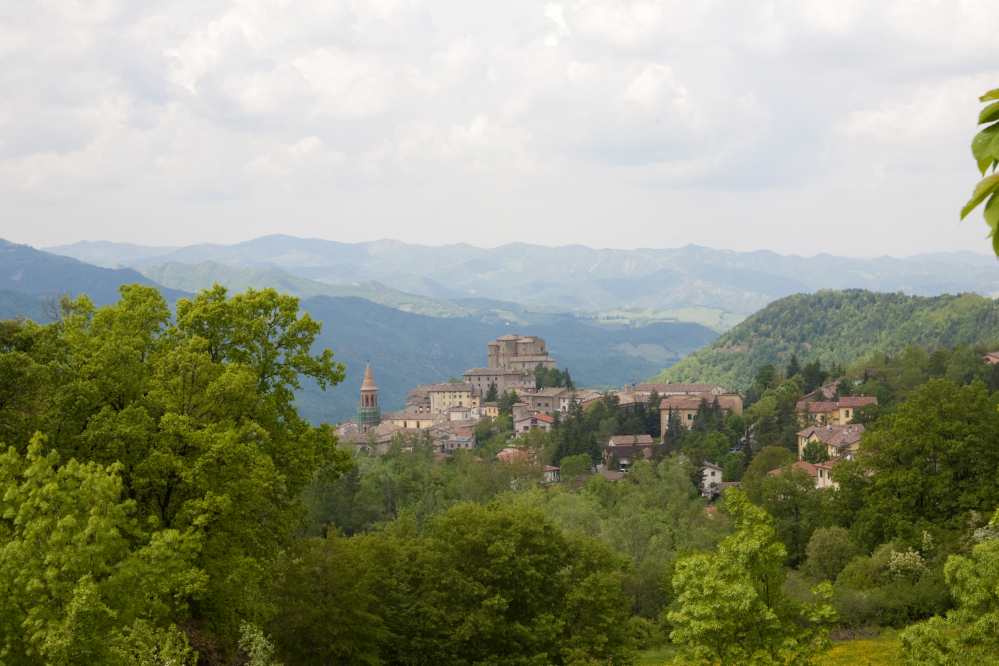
column 77, row 568
column 925, row 467
column 731, row 607
column 985, row 149
column 197, row 414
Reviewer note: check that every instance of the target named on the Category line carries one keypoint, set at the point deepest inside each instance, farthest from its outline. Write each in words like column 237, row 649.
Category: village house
column 667, row 389
column 505, row 380
column 711, row 476
column 459, row 413
column 687, row 405
column 515, row 454
column 821, row 473
column 528, row 423
column 825, row 392
column 445, row 395
column 410, row 420
column 835, row 413
column 622, row 449
column 459, row 439
column 992, row 358
column 839, row 439
column 549, row 400
column 490, row 409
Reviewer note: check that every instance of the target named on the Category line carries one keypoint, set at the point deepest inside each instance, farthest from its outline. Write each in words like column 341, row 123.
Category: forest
column 164, row 503
column 838, row 327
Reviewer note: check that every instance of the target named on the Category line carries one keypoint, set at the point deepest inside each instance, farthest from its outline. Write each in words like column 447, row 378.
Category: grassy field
column 714, row 318
column 879, row 651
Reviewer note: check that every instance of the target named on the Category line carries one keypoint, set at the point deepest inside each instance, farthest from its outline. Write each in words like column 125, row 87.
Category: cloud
column 399, row 110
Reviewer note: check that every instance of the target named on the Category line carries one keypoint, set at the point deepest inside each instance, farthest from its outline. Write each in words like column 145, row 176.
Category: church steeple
column 368, row 413
column 369, row 392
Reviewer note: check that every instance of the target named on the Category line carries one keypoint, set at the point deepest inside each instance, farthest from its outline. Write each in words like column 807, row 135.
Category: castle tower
column 368, row 413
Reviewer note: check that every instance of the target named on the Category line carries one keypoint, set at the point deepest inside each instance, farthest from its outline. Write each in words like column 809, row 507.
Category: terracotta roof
column 540, row 417
column 827, row 391
column 823, row 407
column 801, row 464
column 838, row 436
column 369, row 380
column 630, row 440
column 669, row 387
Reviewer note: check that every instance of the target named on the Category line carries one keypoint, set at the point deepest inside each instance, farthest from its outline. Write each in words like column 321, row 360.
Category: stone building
column 504, row 380
column 513, row 352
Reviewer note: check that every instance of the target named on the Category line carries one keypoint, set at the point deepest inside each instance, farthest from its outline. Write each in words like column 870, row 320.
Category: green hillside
column 25, row 270
column 838, row 327
column 192, row 277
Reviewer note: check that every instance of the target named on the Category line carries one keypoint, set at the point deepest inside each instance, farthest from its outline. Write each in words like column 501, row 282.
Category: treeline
column 838, row 327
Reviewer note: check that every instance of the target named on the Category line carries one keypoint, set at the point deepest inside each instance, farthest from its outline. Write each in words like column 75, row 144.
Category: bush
column 829, row 550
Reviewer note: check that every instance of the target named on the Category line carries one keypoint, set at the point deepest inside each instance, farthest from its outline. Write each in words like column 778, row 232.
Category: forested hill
column 838, row 327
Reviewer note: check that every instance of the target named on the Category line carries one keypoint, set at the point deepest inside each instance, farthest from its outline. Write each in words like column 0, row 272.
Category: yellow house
column 491, row 409
column 834, row 413
column 839, row 439
column 443, row 396
column 687, row 405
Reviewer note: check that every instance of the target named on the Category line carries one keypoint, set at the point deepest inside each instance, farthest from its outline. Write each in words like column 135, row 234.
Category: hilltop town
column 516, row 384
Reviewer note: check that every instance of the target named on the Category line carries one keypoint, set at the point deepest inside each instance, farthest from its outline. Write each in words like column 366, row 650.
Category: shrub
column 829, row 550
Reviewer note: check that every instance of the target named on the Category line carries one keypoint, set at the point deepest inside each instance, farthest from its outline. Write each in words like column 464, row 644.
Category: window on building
column 712, row 473
column 690, row 417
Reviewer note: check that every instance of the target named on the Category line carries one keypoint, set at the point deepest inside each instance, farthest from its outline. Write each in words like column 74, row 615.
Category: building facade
column 505, row 380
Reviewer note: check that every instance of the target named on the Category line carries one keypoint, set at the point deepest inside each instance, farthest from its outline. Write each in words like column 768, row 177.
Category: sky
column 798, row 126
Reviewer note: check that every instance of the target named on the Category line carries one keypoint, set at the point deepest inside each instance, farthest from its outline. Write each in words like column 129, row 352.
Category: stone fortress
column 513, row 352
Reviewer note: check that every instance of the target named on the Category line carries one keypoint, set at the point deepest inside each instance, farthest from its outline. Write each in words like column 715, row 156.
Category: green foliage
column 924, row 468
column 573, row 467
column 796, row 506
column 76, row 566
column 829, row 550
column 769, row 458
column 491, row 393
column 815, row 452
column 256, row 646
column 985, row 149
column 970, row 633
column 731, row 607
column 838, row 327
column 195, row 417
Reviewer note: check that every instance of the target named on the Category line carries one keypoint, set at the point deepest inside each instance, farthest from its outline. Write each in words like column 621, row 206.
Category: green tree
column 985, row 149
column 968, row 636
column 769, row 458
column 829, row 550
column 491, row 394
column 793, row 368
column 503, row 584
column 200, row 416
column 731, row 607
column 573, row 467
column 796, row 506
column 815, row 452
column 76, row 568
column 925, row 467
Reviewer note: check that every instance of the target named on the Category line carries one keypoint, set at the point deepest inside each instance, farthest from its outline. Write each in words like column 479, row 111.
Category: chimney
column 828, row 427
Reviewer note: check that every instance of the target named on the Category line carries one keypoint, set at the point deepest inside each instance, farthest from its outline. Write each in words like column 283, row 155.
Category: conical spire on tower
column 369, row 380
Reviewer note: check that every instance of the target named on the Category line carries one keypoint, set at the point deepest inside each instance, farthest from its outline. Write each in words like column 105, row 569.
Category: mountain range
column 571, row 277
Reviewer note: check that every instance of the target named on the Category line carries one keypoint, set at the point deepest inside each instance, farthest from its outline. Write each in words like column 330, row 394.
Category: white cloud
column 693, row 121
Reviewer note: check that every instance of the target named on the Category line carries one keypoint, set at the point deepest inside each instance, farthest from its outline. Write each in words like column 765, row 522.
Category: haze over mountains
column 572, row 277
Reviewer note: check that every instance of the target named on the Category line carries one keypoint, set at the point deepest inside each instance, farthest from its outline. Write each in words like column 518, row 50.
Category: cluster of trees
column 552, row 377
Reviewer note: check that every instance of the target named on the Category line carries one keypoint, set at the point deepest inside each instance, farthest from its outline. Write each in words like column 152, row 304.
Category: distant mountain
column 408, row 349
column 31, row 272
column 838, row 327
column 109, row 255
column 574, row 277
column 195, row 277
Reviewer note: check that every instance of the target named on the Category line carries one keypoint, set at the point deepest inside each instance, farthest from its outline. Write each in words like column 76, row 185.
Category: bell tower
column 368, row 413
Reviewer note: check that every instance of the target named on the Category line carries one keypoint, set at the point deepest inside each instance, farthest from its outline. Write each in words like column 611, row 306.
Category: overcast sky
column 839, row 126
